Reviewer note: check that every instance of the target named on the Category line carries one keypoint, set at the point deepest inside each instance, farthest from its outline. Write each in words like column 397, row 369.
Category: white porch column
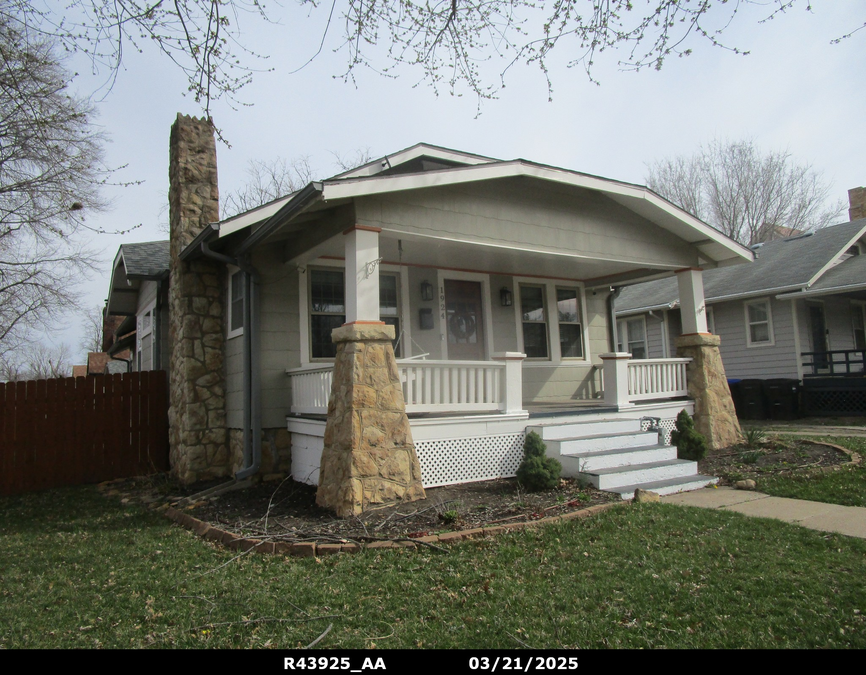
column 692, row 307
column 362, row 274
column 513, row 380
column 615, row 374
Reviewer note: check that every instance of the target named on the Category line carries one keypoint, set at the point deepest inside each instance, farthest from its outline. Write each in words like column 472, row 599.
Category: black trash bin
column 754, row 403
column 783, row 398
column 736, row 395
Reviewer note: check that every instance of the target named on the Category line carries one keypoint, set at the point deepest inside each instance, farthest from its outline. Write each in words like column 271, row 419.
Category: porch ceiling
column 493, row 259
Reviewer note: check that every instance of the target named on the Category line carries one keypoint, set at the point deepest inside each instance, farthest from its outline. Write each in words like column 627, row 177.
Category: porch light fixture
column 505, row 297
column 426, row 290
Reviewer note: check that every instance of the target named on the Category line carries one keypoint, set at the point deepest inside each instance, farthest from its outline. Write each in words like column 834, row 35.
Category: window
column 568, row 311
column 759, row 323
column 631, row 337
column 144, row 331
column 534, row 322
column 711, row 321
column 328, row 309
column 236, row 304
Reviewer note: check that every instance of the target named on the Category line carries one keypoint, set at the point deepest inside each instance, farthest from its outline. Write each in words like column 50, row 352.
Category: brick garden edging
column 311, row 549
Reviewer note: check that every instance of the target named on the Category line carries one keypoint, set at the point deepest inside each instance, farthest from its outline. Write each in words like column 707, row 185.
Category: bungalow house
column 797, row 312
column 491, row 283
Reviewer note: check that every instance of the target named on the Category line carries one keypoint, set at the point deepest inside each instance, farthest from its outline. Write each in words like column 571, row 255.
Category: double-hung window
column 328, row 309
column 759, row 323
column 631, row 337
column 570, row 333
column 534, row 320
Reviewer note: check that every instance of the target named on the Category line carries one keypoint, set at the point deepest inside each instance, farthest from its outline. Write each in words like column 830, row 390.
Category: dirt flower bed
column 287, row 511
column 769, row 455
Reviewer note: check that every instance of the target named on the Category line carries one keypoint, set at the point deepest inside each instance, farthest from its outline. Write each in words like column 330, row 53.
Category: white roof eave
column 637, row 198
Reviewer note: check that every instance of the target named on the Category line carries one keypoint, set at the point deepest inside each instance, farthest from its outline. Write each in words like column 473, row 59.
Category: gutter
column 300, row 202
column 822, row 291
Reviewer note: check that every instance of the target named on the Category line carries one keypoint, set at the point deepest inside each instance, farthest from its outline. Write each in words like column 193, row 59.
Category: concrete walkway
column 848, row 520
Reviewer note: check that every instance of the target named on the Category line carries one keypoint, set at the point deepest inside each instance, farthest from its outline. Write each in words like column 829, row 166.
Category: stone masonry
column 369, row 457
column 715, row 416
column 197, row 422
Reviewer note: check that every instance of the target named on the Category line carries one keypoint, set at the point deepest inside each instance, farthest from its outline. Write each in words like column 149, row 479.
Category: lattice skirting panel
column 666, row 425
column 465, row 460
column 837, row 403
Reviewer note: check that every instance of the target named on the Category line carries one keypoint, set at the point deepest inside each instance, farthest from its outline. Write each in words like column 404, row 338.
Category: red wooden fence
column 71, row 431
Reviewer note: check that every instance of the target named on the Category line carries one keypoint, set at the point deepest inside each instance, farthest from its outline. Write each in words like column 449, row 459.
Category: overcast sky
column 794, row 91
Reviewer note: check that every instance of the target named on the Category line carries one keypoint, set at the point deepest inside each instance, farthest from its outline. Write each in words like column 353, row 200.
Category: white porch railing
column 627, row 380
column 428, row 386
column 657, row 378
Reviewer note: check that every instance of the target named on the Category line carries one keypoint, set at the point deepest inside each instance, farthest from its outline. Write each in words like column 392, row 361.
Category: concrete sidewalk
column 848, row 520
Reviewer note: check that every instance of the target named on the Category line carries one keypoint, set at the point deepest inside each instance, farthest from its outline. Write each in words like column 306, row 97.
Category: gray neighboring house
column 139, row 291
column 797, row 311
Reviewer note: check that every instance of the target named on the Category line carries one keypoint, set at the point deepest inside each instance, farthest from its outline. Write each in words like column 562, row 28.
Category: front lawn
column 80, row 570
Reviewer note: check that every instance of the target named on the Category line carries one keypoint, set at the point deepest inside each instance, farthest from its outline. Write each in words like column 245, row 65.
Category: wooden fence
column 71, row 431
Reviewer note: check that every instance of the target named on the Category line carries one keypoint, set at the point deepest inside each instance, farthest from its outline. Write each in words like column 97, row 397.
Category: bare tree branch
column 748, row 195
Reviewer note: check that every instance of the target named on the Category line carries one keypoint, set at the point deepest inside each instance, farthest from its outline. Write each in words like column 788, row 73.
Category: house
column 490, row 282
column 137, row 305
column 797, row 312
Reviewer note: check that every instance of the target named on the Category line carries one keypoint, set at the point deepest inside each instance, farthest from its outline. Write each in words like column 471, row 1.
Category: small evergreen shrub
column 690, row 444
column 537, row 471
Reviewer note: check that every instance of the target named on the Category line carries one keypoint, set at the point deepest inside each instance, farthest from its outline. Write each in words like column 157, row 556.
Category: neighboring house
column 496, row 276
column 137, row 306
column 797, row 311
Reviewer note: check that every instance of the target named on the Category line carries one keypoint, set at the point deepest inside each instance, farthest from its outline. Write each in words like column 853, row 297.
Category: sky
column 794, row 91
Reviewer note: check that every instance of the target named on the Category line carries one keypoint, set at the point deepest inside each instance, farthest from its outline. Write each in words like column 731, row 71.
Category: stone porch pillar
column 369, row 456
column 715, row 416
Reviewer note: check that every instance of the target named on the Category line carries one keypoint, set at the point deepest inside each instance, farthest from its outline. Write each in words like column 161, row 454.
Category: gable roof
column 145, row 260
column 426, row 166
column 796, row 265
column 133, row 264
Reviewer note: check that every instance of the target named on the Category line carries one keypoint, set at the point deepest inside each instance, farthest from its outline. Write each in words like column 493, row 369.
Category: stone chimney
column 857, row 203
column 197, row 419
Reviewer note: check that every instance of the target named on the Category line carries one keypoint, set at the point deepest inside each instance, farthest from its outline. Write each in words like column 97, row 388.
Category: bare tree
column 450, row 41
column 746, row 194
column 93, row 325
column 36, row 361
column 51, row 170
column 268, row 181
column 278, row 178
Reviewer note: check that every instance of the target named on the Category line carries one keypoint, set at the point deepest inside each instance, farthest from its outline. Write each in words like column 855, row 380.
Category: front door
column 464, row 320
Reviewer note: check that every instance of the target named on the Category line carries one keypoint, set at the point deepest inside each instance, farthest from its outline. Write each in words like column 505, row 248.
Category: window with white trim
column 328, row 309
column 631, row 337
column 759, row 323
column 144, row 333
column 570, row 329
column 534, row 319
column 236, row 304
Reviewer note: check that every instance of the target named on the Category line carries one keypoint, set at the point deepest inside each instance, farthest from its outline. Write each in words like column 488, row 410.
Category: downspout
column 611, row 309
column 252, row 397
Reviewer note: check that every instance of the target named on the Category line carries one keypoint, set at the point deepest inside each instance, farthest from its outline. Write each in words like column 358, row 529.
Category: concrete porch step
column 603, row 442
column 572, row 465
column 668, row 487
column 554, row 432
column 638, row 474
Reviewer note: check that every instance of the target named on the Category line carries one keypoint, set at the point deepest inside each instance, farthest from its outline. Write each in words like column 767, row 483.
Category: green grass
column 80, row 570
column 845, row 486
